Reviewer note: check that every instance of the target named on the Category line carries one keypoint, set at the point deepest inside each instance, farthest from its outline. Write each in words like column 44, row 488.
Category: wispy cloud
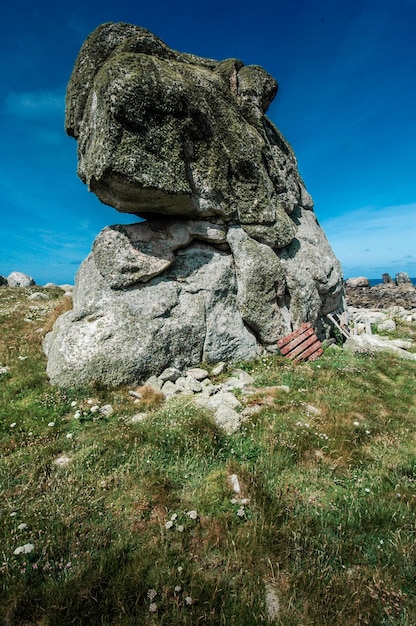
column 371, row 239
column 35, row 104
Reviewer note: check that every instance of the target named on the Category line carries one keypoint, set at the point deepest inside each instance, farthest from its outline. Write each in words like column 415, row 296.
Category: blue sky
column 347, row 90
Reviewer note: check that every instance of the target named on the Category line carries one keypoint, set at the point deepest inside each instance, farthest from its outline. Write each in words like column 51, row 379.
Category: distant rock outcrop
column 400, row 292
column 231, row 257
column 18, row 279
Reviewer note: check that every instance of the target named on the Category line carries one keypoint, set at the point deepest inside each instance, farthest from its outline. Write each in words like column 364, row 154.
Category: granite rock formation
column 231, row 256
column 19, row 279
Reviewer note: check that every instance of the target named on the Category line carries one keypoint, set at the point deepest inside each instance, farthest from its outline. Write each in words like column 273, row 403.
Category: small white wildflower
column 89, row 401
column 22, row 358
column 398, row 495
column 73, row 403
column 180, row 568
column 26, row 549
column 192, row 514
column 22, row 526
column 168, row 524
column 69, row 435
column 51, row 424
column 13, row 514
column 30, row 433
column 241, row 512
column 234, row 501
column 77, row 415
column 13, row 425
column 151, row 594
column 180, row 528
column 153, row 607
column 173, row 517
column 381, row 542
column 188, row 600
column 367, row 490
column 245, row 500
column 94, row 408
column 356, row 423
column 178, row 588
column 367, row 432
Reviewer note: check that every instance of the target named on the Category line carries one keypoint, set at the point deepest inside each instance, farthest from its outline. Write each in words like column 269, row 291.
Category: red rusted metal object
column 301, row 345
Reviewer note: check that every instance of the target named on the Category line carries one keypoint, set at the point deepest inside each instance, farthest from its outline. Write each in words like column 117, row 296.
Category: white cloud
column 373, row 240
column 35, row 104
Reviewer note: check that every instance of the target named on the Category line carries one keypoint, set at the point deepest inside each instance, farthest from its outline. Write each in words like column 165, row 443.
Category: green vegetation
column 122, row 523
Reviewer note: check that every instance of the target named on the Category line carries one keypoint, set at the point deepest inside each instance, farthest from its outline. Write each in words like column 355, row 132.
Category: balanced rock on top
column 231, row 256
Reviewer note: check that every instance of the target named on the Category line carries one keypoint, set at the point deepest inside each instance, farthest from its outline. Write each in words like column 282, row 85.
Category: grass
column 138, row 523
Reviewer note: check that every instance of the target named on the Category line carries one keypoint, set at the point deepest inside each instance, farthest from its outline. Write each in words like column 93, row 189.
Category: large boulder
column 19, row 279
column 231, row 256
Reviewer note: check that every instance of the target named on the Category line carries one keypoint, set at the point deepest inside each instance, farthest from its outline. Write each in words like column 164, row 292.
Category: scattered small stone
column 313, row 410
column 221, row 398
column 218, row 369
column 243, row 376
column 106, row 410
column 170, row 389
column 154, row 382
column 192, row 384
column 284, row 388
column 135, row 394
column 388, row 326
column 170, row 374
column 228, row 419
column 62, row 460
column 4, row 370
column 38, row 295
column 138, row 417
column 251, row 410
column 233, row 383
column 198, row 373
column 26, row 549
column 272, row 602
column 235, row 485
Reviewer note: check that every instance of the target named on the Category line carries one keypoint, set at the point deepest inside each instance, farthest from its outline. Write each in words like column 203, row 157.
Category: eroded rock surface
column 231, row 256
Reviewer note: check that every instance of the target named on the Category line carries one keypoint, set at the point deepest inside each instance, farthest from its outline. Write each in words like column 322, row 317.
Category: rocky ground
column 382, row 296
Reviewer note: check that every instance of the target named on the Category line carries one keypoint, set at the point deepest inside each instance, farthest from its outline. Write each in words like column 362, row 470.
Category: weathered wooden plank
column 309, row 341
column 311, row 354
column 301, row 345
column 297, row 341
column 284, row 340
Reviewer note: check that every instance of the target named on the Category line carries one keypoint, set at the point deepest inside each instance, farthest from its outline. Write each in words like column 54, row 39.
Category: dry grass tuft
column 150, row 397
column 63, row 306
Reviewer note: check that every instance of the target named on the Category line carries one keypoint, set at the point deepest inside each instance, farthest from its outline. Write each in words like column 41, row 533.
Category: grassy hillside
column 306, row 516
